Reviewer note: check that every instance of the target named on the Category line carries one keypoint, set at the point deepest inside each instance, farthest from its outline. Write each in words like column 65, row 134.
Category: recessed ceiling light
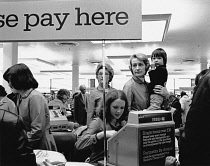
column 67, row 43
column 189, row 60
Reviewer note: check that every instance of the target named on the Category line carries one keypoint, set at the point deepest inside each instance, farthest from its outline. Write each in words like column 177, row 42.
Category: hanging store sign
column 70, row 20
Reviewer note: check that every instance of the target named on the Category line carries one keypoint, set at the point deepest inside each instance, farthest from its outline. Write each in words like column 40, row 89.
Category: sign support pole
column 104, row 106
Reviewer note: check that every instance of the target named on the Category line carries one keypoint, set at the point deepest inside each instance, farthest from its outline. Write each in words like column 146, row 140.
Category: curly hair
column 110, row 97
column 61, row 93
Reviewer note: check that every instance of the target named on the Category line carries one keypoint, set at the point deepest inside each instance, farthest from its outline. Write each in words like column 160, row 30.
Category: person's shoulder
column 77, row 95
column 162, row 68
column 129, row 82
column 35, row 93
column 8, row 116
column 55, row 101
column 96, row 93
column 128, row 85
column 8, row 100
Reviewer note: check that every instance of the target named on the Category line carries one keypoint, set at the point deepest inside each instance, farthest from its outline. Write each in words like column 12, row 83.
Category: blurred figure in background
column 31, row 105
column 52, row 95
column 80, row 103
column 61, row 101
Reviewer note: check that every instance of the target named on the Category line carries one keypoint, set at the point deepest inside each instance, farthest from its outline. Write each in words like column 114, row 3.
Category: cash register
column 146, row 139
column 58, row 121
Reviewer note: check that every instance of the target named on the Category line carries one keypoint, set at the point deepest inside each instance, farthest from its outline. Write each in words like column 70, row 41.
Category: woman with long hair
column 116, row 109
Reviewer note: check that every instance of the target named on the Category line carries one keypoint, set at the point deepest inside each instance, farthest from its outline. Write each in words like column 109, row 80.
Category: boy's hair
column 159, row 52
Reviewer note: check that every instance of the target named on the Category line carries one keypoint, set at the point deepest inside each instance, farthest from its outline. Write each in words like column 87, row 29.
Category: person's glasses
column 101, row 74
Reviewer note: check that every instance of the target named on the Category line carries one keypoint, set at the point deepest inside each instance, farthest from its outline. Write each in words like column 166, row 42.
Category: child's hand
column 152, row 66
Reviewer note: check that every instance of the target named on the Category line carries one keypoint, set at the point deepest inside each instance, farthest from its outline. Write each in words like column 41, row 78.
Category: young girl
column 158, row 75
column 116, row 113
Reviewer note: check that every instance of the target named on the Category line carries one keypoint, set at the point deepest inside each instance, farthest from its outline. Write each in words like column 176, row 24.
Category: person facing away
column 158, row 75
column 96, row 94
column 14, row 145
column 32, row 106
column 80, row 103
column 136, row 88
column 194, row 144
column 116, row 110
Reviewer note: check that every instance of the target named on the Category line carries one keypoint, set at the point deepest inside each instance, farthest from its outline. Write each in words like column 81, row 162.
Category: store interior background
column 186, row 41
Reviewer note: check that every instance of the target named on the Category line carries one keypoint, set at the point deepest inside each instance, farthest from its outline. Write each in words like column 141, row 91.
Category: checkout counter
column 61, row 129
column 147, row 139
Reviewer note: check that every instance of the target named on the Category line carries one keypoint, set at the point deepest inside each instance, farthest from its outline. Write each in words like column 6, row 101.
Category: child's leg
column 155, row 102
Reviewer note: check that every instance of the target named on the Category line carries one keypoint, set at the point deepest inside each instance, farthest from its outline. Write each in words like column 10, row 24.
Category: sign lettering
column 60, row 20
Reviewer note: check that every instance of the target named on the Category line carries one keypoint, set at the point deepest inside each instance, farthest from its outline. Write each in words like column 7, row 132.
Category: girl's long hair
column 110, row 97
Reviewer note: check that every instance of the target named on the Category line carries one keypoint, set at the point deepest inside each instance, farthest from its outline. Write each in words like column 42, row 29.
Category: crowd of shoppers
column 28, row 110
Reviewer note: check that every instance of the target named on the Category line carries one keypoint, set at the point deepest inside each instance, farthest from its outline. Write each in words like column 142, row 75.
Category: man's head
column 139, row 64
column 82, row 88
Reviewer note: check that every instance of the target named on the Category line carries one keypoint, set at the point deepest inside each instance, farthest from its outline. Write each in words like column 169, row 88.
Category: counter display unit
column 58, row 122
column 146, row 140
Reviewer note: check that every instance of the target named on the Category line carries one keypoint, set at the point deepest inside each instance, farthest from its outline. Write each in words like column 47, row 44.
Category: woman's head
column 139, row 64
column 20, row 77
column 108, row 69
column 116, row 106
column 63, row 95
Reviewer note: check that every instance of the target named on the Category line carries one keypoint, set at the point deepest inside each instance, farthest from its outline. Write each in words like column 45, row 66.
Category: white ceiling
column 188, row 38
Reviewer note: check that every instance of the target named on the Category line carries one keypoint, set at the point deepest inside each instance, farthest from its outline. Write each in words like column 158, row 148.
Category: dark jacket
column 80, row 112
column 14, row 149
column 158, row 76
column 195, row 146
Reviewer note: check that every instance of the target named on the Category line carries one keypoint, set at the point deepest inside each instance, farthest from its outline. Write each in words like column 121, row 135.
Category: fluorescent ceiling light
column 154, row 29
column 35, row 62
